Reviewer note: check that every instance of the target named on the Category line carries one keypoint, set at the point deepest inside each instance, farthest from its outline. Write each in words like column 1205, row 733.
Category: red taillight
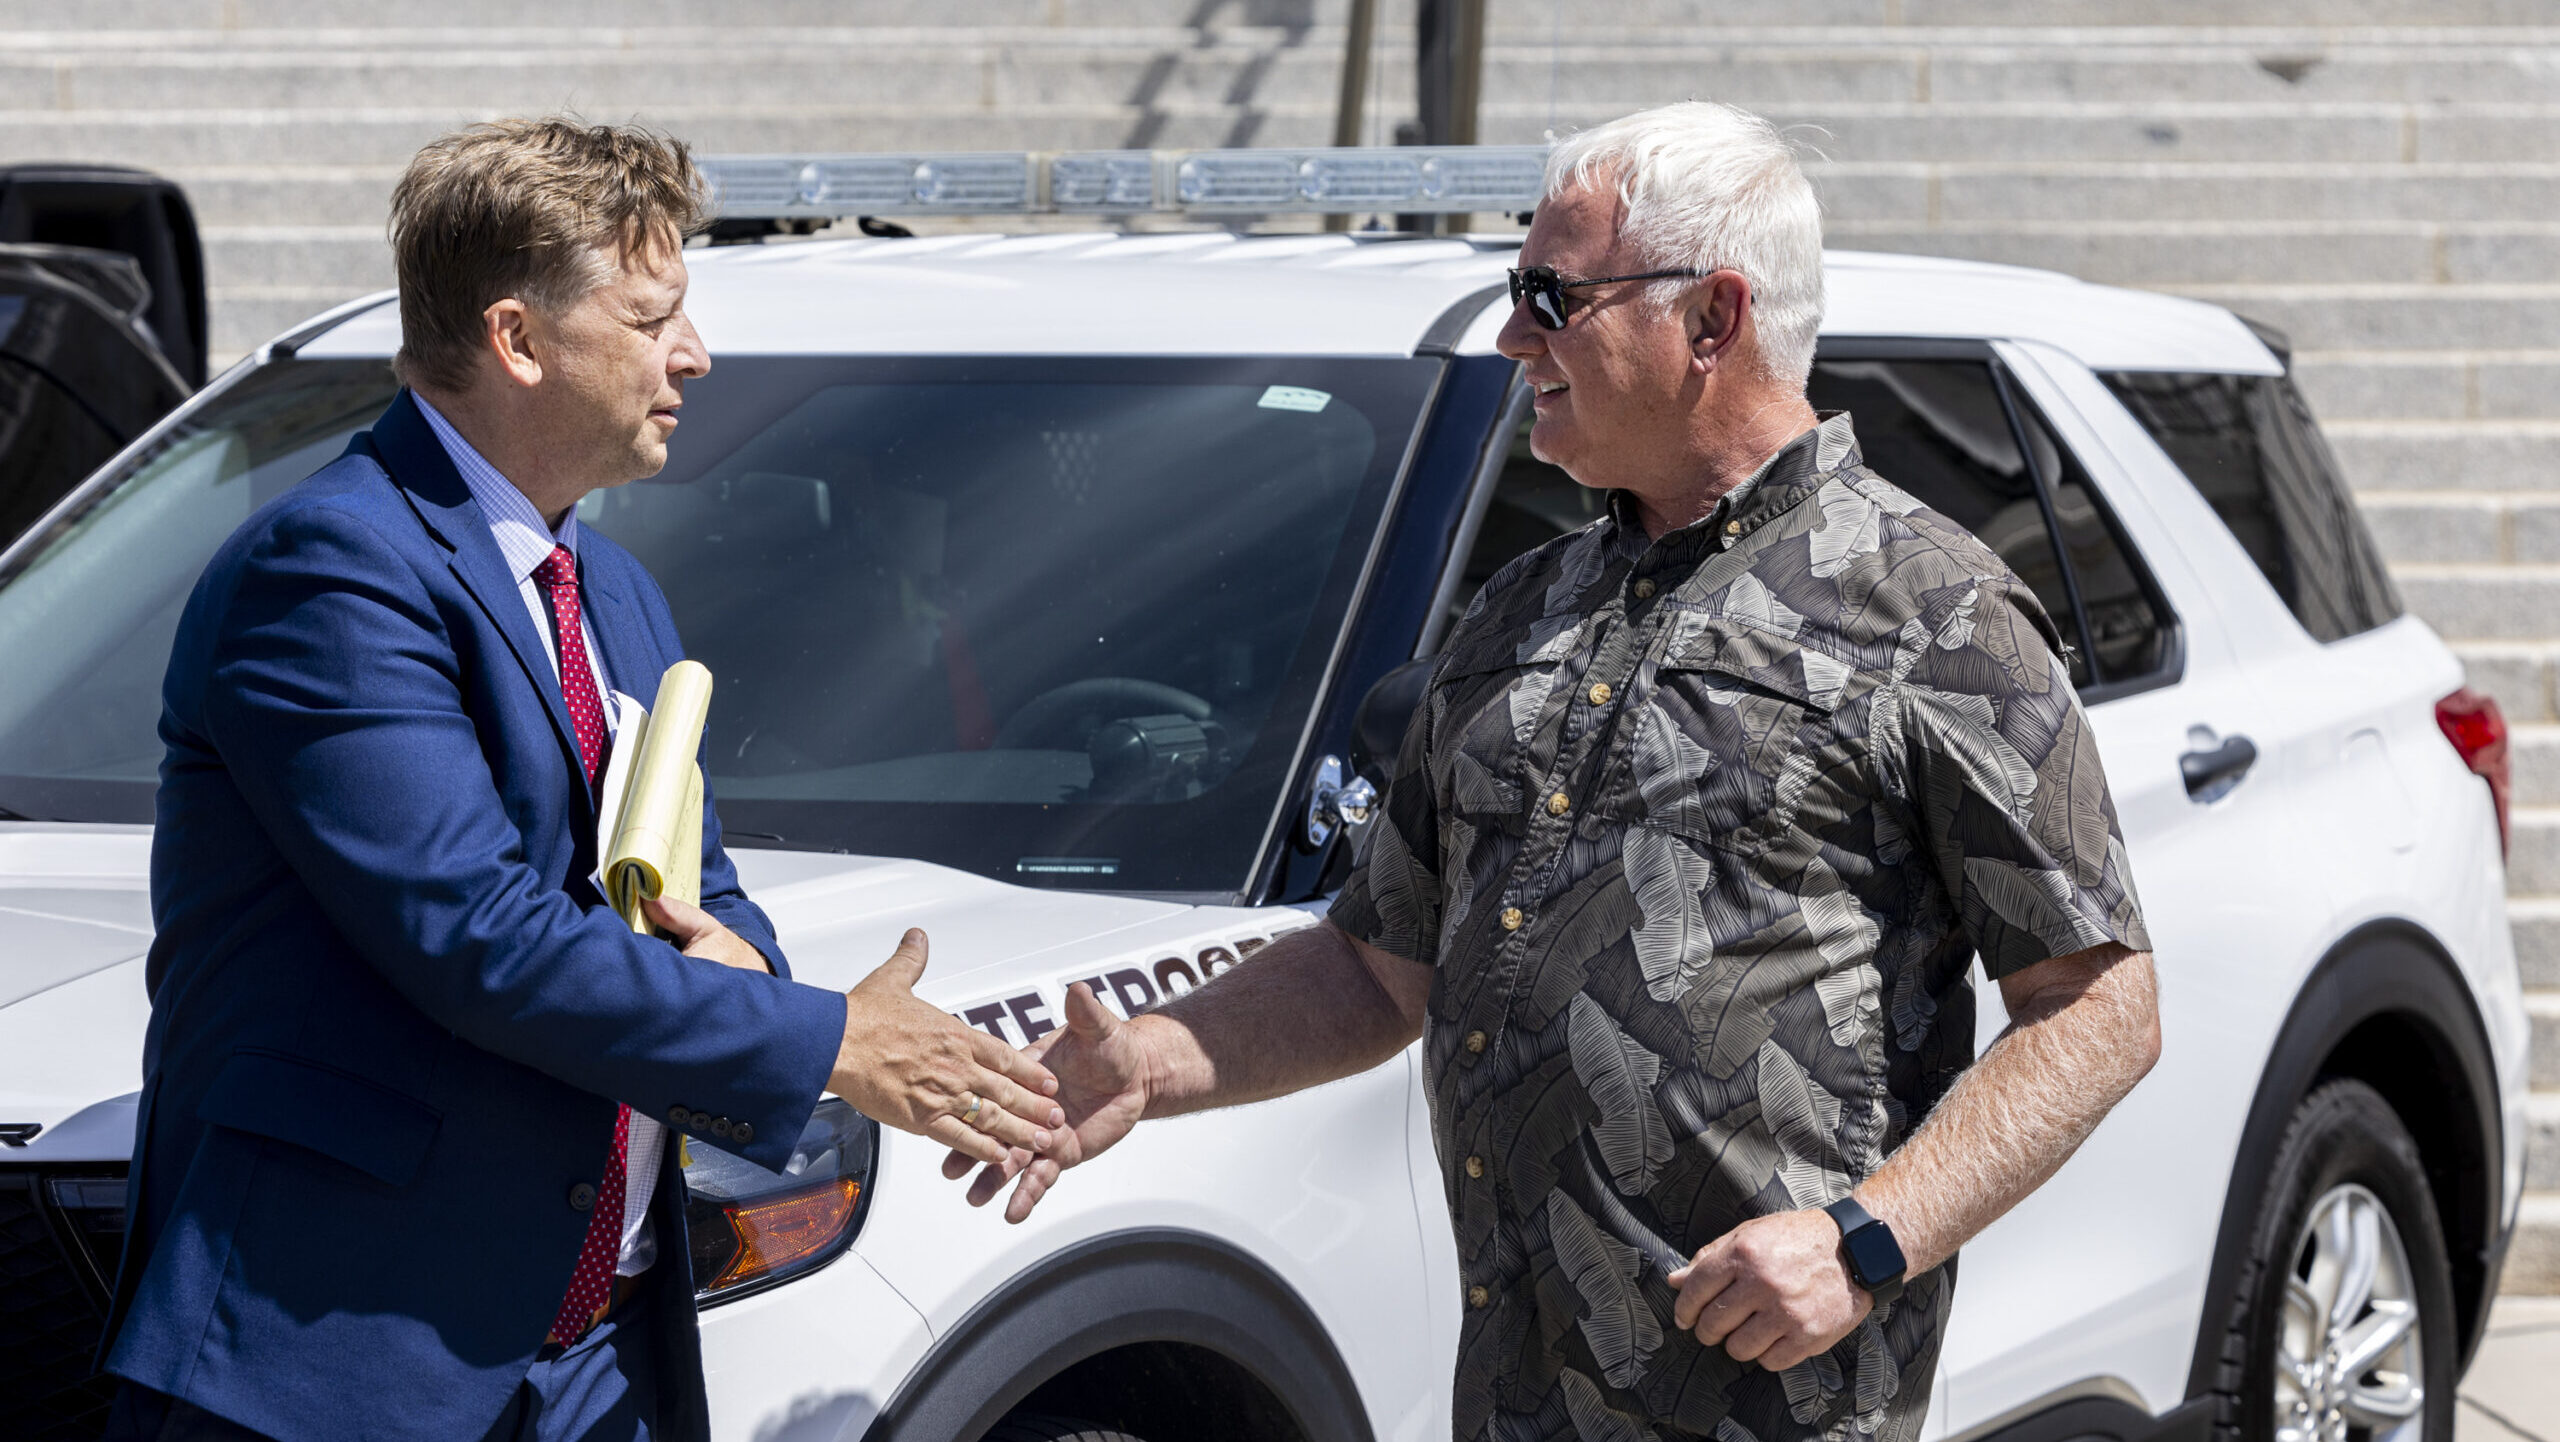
column 2472, row 723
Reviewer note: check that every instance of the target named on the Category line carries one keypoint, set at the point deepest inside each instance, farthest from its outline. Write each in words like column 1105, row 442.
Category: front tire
column 2341, row 1326
column 1040, row 1427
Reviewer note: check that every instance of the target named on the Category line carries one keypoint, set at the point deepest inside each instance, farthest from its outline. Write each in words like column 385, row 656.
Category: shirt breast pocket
column 1495, row 721
column 1722, row 742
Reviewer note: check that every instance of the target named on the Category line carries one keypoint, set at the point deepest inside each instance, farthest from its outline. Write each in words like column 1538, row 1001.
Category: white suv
column 1063, row 593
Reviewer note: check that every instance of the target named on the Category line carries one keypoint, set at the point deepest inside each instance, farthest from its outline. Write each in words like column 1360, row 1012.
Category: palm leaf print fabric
column 1702, row 835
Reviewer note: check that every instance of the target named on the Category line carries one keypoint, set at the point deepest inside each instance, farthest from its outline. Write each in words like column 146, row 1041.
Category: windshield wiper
column 8, row 815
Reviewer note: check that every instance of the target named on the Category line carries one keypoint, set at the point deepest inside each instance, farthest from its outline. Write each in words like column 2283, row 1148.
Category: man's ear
column 506, row 332
column 1714, row 316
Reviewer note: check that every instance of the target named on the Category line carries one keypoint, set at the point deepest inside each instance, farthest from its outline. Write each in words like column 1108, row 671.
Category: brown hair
column 534, row 209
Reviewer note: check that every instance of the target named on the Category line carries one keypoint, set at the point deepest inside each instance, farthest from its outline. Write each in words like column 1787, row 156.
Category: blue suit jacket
column 390, row 1016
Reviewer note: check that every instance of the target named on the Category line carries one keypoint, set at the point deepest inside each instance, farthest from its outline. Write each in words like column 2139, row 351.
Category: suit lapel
column 417, row 463
column 613, row 613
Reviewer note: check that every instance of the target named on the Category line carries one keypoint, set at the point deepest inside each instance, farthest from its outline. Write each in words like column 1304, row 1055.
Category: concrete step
column 349, row 259
column 324, row 195
column 250, row 126
column 2484, row 603
column 2465, row 527
column 2165, row 254
column 2543, row 1009
column 599, row 82
column 1067, row 65
column 179, row 142
column 2524, row 677
column 1961, row 128
column 2542, row 1142
column 2533, row 1253
column 2250, row 256
column 1534, row 18
column 2454, row 455
column 246, row 317
column 1994, row 193
column 2533, row 867
column 2533, row 758
column 2536, row 923
column 2430, row 385
column 2389, row 316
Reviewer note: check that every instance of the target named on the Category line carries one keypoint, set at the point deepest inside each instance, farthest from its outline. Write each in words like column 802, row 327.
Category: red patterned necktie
column 591, row 1285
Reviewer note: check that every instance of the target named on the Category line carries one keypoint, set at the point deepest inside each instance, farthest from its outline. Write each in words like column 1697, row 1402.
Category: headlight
column 751, row 1228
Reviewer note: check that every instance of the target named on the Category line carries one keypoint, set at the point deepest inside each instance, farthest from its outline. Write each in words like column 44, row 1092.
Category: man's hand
column 1100, row 1062
column 697, row 932
column 1772, row 1291
column 914, row 1067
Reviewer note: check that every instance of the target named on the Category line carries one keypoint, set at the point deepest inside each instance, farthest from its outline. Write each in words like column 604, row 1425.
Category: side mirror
column 1378, row 727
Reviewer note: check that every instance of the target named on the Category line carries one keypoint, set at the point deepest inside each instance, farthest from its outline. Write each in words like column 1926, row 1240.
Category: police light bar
column 1403, row 179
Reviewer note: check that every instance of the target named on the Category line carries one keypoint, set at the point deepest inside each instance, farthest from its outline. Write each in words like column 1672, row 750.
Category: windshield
column 1054, row 621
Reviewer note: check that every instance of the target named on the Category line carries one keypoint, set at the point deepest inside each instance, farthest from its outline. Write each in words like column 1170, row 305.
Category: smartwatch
column 1867, row 1249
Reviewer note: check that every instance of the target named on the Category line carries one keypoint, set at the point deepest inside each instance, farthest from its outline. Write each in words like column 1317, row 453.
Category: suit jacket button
column 582, row 1197
column 742, row 1133
column 680, row 1117
column 720, row 1127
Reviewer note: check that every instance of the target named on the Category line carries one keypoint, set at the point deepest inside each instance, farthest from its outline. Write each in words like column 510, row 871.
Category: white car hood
column 75, row 922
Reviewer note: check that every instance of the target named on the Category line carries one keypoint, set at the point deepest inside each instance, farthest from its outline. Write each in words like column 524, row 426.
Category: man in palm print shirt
column 1707, row 812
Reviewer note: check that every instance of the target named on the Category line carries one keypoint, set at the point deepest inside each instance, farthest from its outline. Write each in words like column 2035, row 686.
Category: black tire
column 2343, row 1136
column 1040, row 1427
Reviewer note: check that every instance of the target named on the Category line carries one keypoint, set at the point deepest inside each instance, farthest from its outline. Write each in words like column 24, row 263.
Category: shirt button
column 1479, row 1298
column 1559, row 804
column 1475, row 1168
column 1644, row 589
column 582, row 1197
column 1512, row 918
column 1475, row 1042
column 1600, row 693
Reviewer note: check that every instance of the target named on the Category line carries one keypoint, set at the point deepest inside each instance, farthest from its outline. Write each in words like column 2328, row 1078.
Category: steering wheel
column 1064, row 717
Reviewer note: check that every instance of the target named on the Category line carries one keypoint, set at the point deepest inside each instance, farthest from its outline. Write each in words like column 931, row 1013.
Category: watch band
column 1862, row 1231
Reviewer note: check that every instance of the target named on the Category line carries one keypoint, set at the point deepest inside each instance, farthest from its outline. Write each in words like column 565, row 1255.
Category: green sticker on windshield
column 1294, row 398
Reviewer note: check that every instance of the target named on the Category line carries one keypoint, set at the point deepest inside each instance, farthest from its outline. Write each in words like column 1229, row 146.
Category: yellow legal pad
column 649, row 809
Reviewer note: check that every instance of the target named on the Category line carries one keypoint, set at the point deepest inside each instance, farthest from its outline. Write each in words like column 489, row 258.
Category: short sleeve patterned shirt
column 1702, row 835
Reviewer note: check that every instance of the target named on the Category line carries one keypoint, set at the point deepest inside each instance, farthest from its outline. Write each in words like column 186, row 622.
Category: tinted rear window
column 2250, row 446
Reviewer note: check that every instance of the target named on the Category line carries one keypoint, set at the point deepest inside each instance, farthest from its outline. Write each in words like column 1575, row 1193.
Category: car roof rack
column 1405, row 180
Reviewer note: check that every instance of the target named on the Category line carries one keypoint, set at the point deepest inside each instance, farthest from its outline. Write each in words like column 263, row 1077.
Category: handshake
column 1030, row 1113
column 905, row 1063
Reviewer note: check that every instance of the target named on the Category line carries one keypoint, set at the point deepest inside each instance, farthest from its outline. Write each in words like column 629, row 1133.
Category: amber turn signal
column 774, row 1232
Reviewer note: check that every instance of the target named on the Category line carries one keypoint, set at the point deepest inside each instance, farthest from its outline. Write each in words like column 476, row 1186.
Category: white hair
column 1709, row 186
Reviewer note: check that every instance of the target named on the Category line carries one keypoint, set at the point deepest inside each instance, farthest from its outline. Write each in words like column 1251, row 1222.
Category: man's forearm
column 2071, row 1052
column 1305, row 1010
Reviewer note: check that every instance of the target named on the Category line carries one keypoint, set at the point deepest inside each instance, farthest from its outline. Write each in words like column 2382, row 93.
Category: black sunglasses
column 1544, row 289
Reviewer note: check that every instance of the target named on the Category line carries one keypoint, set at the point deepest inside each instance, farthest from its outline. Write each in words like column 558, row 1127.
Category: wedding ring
column 969, row 1114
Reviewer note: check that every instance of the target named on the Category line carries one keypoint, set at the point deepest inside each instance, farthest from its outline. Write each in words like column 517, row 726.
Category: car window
column 2127, row 637
column 88, row 611
column 1937, row 429
column 1057, row 621
column 2251, row 448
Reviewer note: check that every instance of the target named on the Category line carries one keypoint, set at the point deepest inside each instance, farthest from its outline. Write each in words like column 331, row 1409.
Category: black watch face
column 1873, row 1255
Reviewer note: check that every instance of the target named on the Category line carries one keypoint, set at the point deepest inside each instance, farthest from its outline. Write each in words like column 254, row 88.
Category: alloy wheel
column 2349, row 1364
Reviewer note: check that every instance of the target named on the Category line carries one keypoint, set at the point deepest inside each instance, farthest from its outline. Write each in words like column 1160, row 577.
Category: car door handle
column 2217, row 769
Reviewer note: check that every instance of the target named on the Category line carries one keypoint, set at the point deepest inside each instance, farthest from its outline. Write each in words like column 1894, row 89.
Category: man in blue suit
column 403, row 1168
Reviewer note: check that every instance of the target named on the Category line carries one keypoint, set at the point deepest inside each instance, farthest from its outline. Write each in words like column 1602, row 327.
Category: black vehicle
column 102, row 322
